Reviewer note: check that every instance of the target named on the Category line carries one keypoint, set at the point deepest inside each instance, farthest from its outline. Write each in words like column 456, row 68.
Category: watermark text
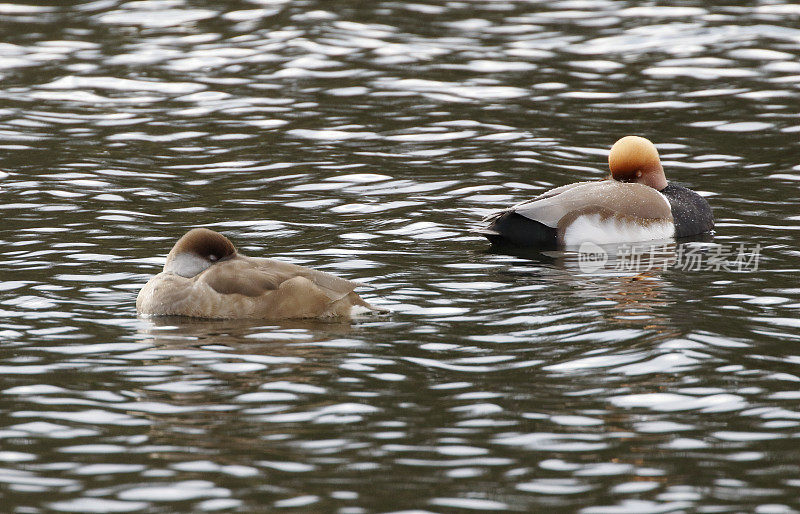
column 640, row 257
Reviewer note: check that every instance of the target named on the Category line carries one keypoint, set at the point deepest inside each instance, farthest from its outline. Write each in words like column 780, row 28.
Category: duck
column 635, row 203
column 206, row 277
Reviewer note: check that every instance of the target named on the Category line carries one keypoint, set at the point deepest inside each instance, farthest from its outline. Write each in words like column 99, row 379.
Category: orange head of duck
column 635, row 159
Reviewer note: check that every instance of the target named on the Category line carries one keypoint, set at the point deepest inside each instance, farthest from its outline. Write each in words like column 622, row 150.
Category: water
column 367, row 139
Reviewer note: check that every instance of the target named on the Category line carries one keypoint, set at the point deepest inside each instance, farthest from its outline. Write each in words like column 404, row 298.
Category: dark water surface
column 366, row 139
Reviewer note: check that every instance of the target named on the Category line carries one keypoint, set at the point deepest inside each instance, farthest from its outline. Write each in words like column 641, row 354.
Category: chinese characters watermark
column 640, row 257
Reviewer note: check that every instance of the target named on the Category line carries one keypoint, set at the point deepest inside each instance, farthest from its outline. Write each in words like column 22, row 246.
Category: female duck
column 206, row 277
column 637, row 205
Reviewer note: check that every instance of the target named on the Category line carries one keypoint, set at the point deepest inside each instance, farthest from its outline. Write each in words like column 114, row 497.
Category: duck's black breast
column 690, row 211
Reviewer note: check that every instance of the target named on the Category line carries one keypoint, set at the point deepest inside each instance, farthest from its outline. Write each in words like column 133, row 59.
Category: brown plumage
column 206, row 277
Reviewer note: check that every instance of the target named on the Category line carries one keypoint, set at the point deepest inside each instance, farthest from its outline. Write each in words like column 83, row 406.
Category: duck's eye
column 212, row 257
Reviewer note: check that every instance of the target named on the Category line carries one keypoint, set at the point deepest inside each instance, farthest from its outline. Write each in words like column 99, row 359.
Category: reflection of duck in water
column 206, row 277
column 638, row 205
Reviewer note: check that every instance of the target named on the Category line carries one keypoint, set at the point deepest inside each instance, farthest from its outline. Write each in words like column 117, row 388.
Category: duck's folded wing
column 241, row 277
column 626, row 200
column 332, row 286
column 547, row 194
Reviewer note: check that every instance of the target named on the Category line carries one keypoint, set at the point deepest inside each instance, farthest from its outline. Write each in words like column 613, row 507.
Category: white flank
column 591, row 228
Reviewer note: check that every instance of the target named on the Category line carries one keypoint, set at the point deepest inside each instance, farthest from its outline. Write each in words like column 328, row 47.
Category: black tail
column 512, row 229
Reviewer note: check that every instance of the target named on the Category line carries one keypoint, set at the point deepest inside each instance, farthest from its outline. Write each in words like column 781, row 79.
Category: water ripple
column 367, row 140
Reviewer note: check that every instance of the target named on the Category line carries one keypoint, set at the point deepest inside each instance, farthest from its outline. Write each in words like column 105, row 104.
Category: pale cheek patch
column 187, row 265
column 593, row 228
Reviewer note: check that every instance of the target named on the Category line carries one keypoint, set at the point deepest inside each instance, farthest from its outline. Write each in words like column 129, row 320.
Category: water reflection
column 366, row 139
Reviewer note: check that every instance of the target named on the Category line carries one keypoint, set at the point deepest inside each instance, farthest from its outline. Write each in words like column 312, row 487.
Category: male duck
column 206, row 277
column 637, row 205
